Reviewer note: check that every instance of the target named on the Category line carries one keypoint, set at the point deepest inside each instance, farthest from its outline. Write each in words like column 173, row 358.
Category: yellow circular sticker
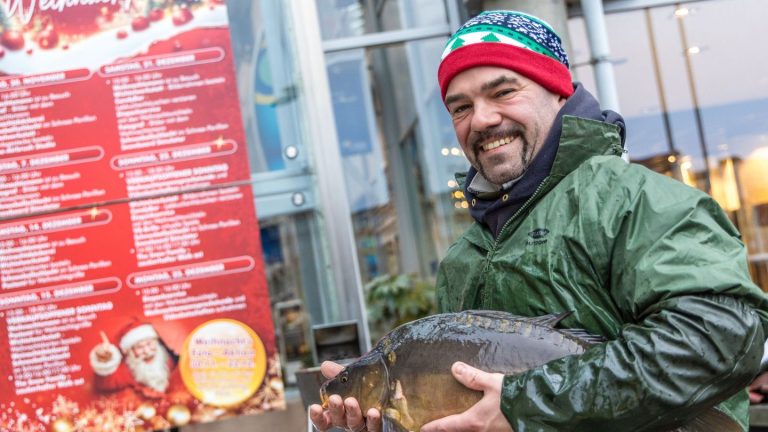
column 223, row 362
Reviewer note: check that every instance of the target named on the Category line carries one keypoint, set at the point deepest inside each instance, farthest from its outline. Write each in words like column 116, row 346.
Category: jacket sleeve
column 693, row 333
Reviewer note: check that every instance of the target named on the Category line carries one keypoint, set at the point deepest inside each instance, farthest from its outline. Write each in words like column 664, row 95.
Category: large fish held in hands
column 407, row 375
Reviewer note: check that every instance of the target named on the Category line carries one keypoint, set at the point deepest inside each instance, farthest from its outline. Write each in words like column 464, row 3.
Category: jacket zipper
column 483, row 293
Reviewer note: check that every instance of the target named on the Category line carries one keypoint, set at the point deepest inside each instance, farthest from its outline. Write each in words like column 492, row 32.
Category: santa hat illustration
column 134, row 332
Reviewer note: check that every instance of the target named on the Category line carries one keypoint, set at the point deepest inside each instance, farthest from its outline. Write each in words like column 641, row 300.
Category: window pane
column 267, row 85
column 348, row 18
column 691, row 112
column 733, row 87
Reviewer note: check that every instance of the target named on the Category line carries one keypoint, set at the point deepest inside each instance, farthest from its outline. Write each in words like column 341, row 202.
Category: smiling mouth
column 495, row 144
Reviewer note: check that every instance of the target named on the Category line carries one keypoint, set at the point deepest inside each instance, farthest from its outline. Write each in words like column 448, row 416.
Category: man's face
column 145, row 350
column 501, row 119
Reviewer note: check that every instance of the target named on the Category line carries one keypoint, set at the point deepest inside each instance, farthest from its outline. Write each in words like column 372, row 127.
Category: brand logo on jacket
column 537, row 236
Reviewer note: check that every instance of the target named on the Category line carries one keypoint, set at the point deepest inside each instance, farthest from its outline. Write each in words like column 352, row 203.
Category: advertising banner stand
column 132, row 286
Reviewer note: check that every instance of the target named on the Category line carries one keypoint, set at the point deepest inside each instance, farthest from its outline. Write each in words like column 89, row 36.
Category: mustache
column 488, row 135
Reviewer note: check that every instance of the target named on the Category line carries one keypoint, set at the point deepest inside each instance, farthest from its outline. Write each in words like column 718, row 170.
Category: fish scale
column 407, row 375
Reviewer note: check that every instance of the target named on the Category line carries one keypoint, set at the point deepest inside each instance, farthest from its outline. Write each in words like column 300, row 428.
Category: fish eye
column 344, row 378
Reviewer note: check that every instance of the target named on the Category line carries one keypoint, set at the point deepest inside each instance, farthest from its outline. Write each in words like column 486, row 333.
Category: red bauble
column 182, row 16
column 12, row 39
column 122, row 34
column 48, row 39
column 156, row 14
column 139, row 23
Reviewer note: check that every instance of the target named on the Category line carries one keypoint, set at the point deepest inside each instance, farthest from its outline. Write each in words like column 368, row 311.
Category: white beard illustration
column 154, row 374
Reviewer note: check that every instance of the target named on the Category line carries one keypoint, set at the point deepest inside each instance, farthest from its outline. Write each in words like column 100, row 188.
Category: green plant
column 397, row 299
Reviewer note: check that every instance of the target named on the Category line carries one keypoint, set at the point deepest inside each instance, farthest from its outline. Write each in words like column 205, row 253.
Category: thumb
column 470, row 377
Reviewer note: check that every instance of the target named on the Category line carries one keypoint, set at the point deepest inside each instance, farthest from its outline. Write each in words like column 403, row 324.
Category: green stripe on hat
column 492, row 32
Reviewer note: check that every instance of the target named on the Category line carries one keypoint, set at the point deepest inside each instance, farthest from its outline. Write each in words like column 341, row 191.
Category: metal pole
column 695, row 100
column 323, row 139
column 598, row 43
column 659, row 84
column 594, row 19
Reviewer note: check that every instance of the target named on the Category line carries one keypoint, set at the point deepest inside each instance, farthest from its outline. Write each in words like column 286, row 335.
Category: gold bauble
column 178, row 415
column 146, row 411
column 62, row 425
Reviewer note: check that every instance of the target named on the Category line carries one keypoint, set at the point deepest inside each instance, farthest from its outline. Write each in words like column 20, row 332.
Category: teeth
column 497, row 143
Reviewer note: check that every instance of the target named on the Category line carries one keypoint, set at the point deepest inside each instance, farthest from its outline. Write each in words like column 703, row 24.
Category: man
column 142, row 363
column 564, row 224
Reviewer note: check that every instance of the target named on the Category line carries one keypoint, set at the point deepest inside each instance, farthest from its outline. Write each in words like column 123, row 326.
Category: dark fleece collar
column 492, row 208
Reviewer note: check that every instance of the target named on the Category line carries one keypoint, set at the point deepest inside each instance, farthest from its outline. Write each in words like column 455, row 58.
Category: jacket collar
column 581, row 139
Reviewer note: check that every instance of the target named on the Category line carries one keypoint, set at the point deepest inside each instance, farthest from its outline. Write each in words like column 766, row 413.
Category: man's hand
column 758, row 390
column 345, row 414
column 485, row 415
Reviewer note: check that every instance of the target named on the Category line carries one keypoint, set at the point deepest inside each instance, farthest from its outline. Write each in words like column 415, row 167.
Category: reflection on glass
column 349, row 18
column 266, row 82
column 400, row 155
column 293, row 270
column 293, row 258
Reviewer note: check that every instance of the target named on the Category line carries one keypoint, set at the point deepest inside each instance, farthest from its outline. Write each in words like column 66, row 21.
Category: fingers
column 346, row 414
column 471, row 377
column 354, row 416
column 336, row 410
column 320, row 418
column 330, row 369
column 373, row 420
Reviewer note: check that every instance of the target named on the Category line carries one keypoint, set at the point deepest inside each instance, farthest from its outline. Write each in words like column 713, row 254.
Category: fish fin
column 385, row 391
column 550, row 320
column 400, row 404
column 388, row 424
column 584, row 335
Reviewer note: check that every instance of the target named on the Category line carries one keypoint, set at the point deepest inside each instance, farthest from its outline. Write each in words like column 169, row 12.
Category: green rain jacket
column 647, row 262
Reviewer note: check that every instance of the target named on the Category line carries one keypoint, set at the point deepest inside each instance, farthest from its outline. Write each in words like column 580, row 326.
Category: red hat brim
column 544, row 70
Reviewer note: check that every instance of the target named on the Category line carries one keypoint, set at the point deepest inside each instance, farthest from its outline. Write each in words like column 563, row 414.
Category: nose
column 485, row 116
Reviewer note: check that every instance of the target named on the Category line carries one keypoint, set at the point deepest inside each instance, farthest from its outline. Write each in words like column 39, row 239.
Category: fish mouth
column 323, row 398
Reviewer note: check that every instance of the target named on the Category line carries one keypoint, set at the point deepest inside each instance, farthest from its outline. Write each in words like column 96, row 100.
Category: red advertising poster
column 132, row 288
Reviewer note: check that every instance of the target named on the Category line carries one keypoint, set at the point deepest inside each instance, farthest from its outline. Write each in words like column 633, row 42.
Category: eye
column 504, row 92
column 459, row 110
column 344, row 378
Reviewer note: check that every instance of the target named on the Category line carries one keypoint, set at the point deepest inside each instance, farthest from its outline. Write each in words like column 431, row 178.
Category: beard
column 485, row 165
column 154, row 374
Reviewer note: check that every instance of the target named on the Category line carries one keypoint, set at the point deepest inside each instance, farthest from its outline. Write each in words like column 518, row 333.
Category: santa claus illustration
column 140, row 362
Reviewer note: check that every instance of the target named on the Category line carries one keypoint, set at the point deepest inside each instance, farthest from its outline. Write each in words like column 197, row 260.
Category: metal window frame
column 332, row 203
column 611, row 6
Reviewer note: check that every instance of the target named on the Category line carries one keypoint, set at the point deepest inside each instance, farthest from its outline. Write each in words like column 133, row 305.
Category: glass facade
column 349, row 18
column 695, row 98
column 396, row 141
column 692, row 87
column 268, row 83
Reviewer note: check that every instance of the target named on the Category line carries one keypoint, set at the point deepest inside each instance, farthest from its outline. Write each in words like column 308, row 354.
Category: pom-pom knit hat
column 512, row 40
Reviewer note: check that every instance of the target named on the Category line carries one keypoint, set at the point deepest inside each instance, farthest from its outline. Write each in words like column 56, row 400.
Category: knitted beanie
column 511, row 40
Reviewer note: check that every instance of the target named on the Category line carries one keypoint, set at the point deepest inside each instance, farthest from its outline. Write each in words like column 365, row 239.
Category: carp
column 407, row 375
